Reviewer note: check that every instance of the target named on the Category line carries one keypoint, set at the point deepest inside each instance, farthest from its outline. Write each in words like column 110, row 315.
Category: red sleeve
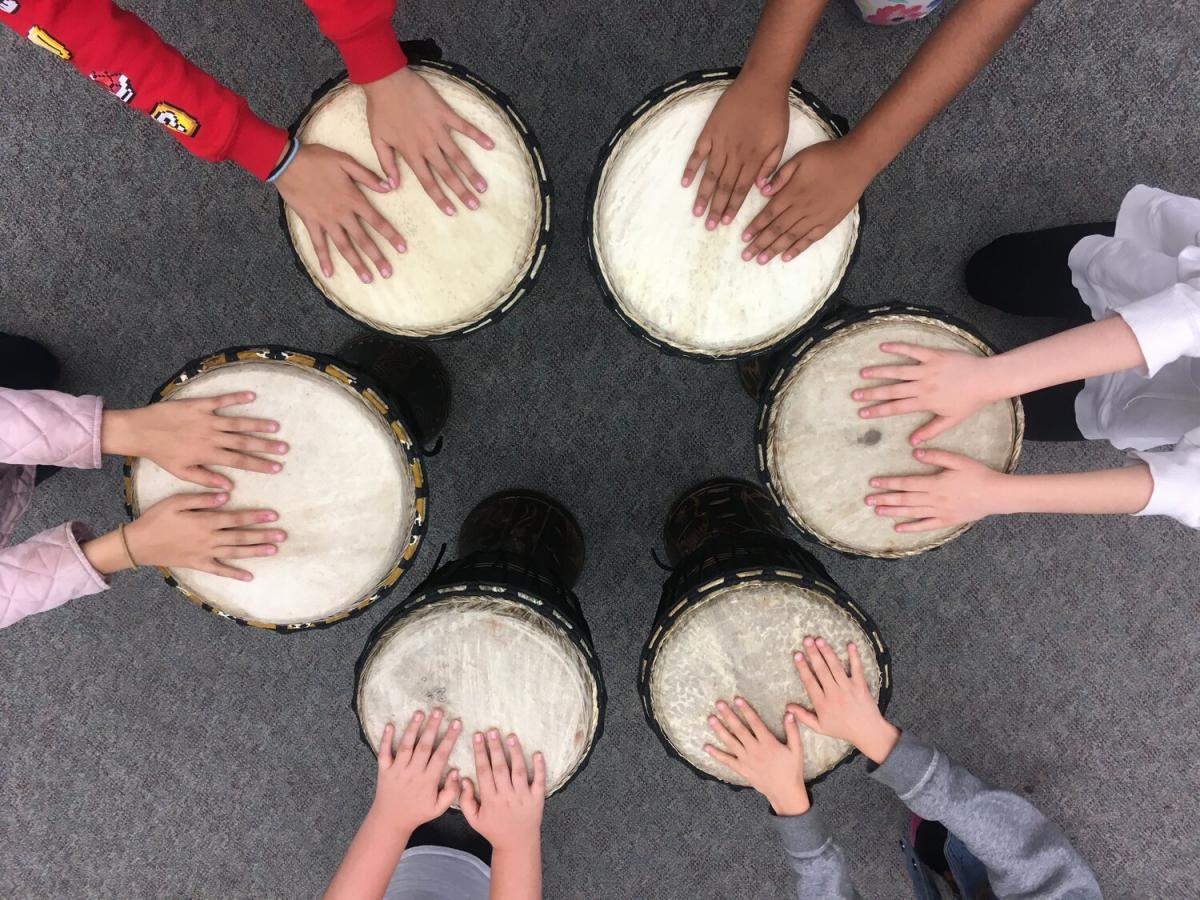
column 128, row 59
column 362, row 32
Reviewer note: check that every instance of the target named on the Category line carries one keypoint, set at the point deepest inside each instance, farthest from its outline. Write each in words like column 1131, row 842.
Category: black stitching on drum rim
column 545, row 190
column 360, row 383
column 798, row 349
column 692, row 595
column 691, row 79
column 433, row 591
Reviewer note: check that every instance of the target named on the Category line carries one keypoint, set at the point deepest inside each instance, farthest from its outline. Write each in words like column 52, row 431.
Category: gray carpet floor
column 149, row 749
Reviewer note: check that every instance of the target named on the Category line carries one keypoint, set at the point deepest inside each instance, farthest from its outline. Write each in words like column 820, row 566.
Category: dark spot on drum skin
column 871, row 438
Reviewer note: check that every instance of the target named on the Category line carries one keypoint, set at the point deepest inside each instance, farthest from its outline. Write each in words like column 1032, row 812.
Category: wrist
column 793, row 802
column 394, row 825
column 866, row 155
column 118, row 432
column 106, row 554
column 764, row 78
column 878, row 743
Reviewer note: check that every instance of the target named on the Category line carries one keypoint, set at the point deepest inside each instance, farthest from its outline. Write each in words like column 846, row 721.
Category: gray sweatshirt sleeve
column 818, row 862
column 1026, row 855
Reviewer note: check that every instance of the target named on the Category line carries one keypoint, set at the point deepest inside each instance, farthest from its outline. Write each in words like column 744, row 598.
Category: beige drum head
column 820, row 456
column 459, row 271
column 346, row 496
column 686, row 286
column 739, row 641
column 493, row 663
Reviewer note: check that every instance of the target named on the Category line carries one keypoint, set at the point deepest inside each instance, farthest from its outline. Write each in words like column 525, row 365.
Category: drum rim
column 439, row 587
column 608, row 295
column 545, row 191
column 374, row 399
column 691, row 594
column 794, row 355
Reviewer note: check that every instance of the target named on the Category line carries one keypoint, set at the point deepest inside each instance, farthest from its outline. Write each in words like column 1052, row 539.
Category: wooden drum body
column 734, row 611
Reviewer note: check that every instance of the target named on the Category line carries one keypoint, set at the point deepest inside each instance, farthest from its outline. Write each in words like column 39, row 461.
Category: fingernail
column 864, row 413
column 481, row 185
column 710, row 224
column 401, row 246
column 494, row 733
column 739, row 701
column 762, row 259
column 437, row 713
column 685, row 181
column 871, row 501
column 365, row 276
column 698, row 211
column 221, row 498
column 419, row 714
column 538, row 756
column 797, row 655
column 281, row 447
column 745, row 236
column 490, row 144
column 789, row 718
column 473, row 203
column 392, row 182
column 787, row 257
column 449, row 210
column 269, row 549
column 820, row 642
column 920, row 454
column 456, row 724
column 874, row 482
column 512, row 741
column 246, row 576
column 712, row 720
column 747, row 254
column 276, row 467
column 327, row 271
column 857, row 395
column 453, row 776
column 478, row 738
column 386, row 271
column 808, row 642
column 385, row 185
column 725, row 220
column 273, row 426
column 269, row 517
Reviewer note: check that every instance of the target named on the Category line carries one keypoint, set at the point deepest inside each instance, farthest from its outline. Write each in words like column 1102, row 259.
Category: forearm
column 782, row 36
column 1110, row 491
column 46, row 571
column 958, row 49
column 816, row 860
column 370, row 861
column 517, row 872
column 1098, row 348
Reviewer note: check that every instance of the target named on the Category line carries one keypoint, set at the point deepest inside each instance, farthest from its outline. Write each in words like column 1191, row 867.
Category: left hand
column 810, row 194
column 964, row 491
column 184, row 436
column 774, row 769
column 406, row 116
column 407, row 792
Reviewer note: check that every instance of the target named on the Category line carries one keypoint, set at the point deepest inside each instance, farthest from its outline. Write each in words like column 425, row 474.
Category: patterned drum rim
column 371, row 397
column 848, row 320
column 691, row 79
column 545, row 192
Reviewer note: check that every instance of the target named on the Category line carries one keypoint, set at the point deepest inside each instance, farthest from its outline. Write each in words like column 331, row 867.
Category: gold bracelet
column 125, row 544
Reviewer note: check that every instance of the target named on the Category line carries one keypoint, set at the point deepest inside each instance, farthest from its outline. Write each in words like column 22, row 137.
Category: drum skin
column 816, row 455
column 351, row 535
column 682, row 287
column 459, row 272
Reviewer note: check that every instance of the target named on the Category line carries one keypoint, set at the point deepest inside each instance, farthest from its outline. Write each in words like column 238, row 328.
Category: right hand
column 322, row 186
column 741, row 144
column 189, row 531
column 505, row 808
column 842, row 705
column 951, row 384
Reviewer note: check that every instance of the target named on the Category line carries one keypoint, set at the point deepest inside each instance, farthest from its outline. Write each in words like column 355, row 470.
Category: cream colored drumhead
column 458, row 269
column 820, row 455
column 684, row 285
column 345, row 495
column 738, row 641
column 493, row 663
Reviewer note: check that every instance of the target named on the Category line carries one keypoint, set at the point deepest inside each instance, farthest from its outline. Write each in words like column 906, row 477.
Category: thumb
column 783, row 176
column 943, row 458
column 387, row 162
column 932, row 429
column 768, row 167
column 805, row 717
column 203, row 500
column 363, row 175
column 791, row 731
column 468, row 803
column 449, row 792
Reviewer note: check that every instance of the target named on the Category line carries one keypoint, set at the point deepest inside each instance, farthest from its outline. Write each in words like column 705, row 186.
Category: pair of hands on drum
column 408, row 119
column 192, row 531
column 740, row 147
column 953, row 386
column 502, row 803
column 842, row 707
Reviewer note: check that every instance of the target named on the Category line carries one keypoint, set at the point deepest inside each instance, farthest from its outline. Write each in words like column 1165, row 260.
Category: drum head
column 492, row 662
column 459, row 272
column 738, row 641
column 678, row 283
column 351, row 494
column 819, row 456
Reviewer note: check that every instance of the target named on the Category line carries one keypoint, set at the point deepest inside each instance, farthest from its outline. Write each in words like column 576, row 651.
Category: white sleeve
column 1176, row 475
column 1166, row 324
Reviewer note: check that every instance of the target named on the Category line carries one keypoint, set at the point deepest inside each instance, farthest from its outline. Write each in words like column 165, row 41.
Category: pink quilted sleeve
column 46, row 571
column 47, row 428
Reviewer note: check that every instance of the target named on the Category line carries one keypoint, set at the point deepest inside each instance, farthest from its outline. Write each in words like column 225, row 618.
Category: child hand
column 184, row 436
column 741, row 144
column 505, row 807
column 188, row 531
column 774, row 769
column 407, row 791
column 322, row 186
column 964, row 491
column 948, row 383
column 406, row 116
column 842, row 705
column 810, row 194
